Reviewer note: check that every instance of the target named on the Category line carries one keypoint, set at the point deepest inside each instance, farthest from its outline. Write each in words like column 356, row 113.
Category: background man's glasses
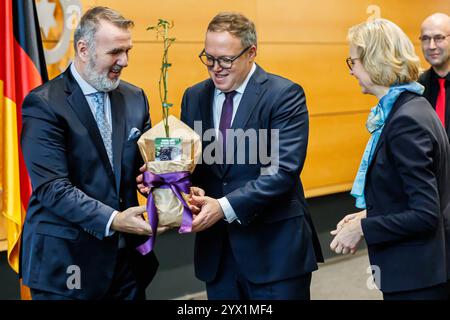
column 224, row 62
column 437, row 38
column 351, row 62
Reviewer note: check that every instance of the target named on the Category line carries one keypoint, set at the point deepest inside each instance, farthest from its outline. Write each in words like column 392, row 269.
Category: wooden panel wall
column 302, row 40
column 298, row 39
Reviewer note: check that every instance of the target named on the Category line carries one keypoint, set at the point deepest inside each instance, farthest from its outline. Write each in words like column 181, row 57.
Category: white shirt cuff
column 228, row 211
column 109, row 233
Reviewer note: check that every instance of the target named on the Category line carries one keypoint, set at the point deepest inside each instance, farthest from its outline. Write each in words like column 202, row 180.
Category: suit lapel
column 118, row 132
column 206, row 108
column 248, row 103
column 447, row 113
column 427, row 83
column 402, row 99
column 377, row 148
column 79, row 105
column 447, row 104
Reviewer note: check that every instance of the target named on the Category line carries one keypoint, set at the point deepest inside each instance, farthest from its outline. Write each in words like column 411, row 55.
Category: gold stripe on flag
column 10, row 202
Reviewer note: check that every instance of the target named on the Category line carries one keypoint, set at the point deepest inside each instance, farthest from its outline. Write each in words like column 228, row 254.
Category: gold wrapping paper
column 168, row 206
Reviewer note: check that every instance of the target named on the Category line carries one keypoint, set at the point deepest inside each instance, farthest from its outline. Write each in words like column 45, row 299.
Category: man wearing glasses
column 435, row 38
column 255, row 238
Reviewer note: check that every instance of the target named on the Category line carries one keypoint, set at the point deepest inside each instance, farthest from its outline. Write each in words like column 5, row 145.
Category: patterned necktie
column 440, row 102
column 103, row 125
column 225, row 118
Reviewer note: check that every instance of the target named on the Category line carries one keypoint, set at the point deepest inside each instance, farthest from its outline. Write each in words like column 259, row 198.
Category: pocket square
column 134, row 133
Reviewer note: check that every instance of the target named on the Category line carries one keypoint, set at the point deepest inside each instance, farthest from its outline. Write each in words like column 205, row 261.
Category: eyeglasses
column 224, row 62
column 351, row 62
column 436, row 38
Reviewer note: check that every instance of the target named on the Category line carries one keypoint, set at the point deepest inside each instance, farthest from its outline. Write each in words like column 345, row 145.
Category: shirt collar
column 84, row 85
column 436, row 76
column 242, row 87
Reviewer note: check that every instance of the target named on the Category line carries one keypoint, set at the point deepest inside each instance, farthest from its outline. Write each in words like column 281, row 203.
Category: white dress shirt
column 87, row 90
column 219, row 98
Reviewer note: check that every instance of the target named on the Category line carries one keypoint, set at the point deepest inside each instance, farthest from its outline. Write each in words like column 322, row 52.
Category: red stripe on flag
column 7, row 48
column 27, row 78
column 20, row 76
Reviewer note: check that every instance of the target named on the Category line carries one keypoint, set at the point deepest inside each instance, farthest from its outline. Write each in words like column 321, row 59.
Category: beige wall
column 301, row 40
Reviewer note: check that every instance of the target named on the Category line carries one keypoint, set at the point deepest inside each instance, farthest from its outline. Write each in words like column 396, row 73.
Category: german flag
column 22, row 68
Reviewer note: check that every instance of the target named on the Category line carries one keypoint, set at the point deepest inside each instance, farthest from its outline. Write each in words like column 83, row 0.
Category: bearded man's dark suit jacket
column 75, row 189
column 275, row 239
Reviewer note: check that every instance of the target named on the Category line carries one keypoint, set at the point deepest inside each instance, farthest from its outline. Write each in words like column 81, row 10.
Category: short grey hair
column 90, row 21
column 237, row 25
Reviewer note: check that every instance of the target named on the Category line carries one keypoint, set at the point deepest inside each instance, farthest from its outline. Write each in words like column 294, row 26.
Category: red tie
column 440, row 102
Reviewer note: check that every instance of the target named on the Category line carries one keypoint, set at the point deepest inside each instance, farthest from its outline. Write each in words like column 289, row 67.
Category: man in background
column 435, row 39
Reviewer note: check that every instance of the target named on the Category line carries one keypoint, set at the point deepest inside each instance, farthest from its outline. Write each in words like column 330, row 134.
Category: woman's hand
column 358, row 215
column 348, row 237
column 348, row 233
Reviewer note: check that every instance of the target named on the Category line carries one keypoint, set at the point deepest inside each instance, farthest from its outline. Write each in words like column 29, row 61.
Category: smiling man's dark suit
column 275, row 239
column 75, row 189
column 429, row 79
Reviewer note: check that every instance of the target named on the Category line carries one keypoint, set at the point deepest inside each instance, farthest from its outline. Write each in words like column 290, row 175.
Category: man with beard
column 435, row 39
column 79, row 143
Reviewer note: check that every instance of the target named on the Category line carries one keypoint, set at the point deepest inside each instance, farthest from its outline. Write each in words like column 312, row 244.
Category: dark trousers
column 439, row 292
column 123, row 285
column 231, row 284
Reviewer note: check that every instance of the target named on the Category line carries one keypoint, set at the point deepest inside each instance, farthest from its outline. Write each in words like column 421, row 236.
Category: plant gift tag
column 167, row 149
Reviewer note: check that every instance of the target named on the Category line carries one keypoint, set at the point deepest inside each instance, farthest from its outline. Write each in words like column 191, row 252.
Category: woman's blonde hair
column 385, row 51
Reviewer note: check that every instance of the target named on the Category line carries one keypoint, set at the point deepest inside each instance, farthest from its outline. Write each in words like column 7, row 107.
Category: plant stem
column 163, row 28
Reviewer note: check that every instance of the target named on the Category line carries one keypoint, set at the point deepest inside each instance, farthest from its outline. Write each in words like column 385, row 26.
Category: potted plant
column 170, row 150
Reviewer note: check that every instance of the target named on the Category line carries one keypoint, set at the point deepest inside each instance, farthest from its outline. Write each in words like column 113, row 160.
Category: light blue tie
column 103, row 125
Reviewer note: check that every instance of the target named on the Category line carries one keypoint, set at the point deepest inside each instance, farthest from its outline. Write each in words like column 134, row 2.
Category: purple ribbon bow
column 178, row 182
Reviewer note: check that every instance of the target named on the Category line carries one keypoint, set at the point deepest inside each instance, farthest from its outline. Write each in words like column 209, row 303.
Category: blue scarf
column 375, row 125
